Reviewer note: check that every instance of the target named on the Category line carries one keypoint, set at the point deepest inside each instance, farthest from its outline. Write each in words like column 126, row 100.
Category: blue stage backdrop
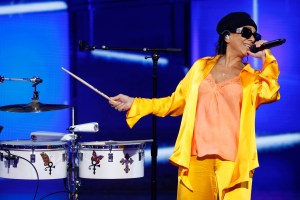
column 34, row 44
column 39, row 44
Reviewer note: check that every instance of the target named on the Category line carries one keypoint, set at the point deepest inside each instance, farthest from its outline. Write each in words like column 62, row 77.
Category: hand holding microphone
column 267, row 45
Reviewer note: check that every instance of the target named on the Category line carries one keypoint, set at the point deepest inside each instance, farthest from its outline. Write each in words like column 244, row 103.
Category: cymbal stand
column 73, row 178
column 35, row 80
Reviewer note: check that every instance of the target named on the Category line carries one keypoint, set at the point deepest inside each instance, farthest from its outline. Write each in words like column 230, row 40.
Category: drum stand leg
column 73, row 178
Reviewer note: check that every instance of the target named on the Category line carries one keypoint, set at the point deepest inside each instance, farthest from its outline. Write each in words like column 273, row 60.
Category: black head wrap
column 234, row 20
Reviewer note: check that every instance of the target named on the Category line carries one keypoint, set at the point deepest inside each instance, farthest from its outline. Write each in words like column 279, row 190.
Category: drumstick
column 87, row 84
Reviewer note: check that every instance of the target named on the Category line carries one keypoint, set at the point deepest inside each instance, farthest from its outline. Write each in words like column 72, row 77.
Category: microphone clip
column 83, row 46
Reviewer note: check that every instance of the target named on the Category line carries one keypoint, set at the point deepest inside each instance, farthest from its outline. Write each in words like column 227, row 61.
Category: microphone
column 87, row 127
column 83, row 46
column 267, row 45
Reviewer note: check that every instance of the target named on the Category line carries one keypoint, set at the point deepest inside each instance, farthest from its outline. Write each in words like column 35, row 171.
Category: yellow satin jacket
column 259, row 87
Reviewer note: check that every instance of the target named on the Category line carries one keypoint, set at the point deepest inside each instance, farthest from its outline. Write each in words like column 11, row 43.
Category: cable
column 53, row 194
column 37, row 174
column 66, row 190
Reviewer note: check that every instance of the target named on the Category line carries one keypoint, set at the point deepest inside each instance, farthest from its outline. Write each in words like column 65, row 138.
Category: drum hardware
column 11, row 160
column 35, row 105
column 35, row 80
column 64, row 157
column 110, row 154
column 90, row 127
column 73, row 169
column 40, row 136
column 32, row 156
column 80, row 156
column 141, row 152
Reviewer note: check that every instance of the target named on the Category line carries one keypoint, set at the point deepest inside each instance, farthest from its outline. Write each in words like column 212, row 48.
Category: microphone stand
column 155, row 57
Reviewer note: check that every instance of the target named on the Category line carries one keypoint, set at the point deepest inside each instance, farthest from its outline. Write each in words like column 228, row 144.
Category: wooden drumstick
column 87, row 84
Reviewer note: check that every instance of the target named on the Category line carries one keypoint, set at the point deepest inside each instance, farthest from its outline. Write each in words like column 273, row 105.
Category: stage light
column 278, row 142
column 128, row 57
column 264, row 143
column 33, row 7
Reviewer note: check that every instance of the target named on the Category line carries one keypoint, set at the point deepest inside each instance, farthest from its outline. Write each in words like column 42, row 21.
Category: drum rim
column 111, row 146
column 47, row 145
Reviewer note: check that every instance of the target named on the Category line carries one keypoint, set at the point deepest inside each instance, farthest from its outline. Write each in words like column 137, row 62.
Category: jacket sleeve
column 172, row 105
column 266, row 81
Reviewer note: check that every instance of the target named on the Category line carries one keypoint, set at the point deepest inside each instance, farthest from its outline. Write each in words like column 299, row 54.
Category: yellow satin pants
column 209, row 176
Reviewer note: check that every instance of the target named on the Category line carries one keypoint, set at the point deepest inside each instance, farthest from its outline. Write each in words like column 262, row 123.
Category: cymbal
column 33, row 107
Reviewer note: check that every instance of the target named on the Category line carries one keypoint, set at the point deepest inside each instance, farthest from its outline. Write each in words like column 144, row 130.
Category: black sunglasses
column 247, row 33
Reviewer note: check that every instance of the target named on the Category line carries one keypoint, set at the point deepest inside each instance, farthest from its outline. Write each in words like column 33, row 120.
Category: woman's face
column 241, row 41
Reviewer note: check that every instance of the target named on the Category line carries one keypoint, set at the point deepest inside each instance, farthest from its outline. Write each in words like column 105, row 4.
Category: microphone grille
column 253, row 49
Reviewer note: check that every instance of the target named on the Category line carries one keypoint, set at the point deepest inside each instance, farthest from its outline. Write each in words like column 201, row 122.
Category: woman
column 215, row 150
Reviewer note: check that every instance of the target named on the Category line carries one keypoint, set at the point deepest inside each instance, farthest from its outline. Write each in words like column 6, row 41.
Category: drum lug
column 32, row 155
column 80, row 156
column 141, row 152
column 64, row 157
column 32, row 158
column 110, row 155
column 15, row 162
column 141, row 155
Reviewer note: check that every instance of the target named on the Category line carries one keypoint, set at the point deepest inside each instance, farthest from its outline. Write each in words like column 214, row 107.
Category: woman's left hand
column 260, row 54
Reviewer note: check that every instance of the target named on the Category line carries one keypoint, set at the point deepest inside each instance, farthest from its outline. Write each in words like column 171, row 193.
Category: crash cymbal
column 34, row 106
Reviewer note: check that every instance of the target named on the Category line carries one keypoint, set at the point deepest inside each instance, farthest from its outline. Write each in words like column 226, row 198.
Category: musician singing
column 215, row 149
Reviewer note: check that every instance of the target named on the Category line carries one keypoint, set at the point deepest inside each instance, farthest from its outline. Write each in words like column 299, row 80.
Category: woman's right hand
column 121, row 102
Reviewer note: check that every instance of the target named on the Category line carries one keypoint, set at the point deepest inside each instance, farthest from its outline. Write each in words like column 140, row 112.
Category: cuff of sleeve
column 270, row 67
column 139, row 108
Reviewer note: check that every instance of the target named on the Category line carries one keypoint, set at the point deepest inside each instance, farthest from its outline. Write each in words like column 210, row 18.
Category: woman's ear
column 226, row 36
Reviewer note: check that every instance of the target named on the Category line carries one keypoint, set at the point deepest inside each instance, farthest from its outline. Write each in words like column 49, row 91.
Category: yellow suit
column 258, row 87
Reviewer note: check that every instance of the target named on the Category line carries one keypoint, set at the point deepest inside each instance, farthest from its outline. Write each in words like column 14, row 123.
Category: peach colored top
column 217, row 120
